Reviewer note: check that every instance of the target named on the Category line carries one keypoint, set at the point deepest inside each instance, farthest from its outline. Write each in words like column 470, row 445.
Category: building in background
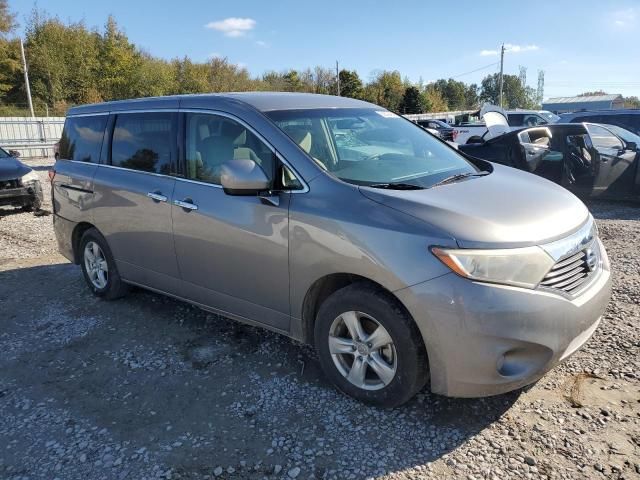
column 575, row 104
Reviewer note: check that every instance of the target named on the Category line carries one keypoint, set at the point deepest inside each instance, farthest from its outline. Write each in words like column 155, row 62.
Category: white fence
column 32, row 137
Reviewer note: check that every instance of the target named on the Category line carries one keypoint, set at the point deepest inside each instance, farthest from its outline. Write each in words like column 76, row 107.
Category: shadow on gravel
column 199, row 391
column 614, row 210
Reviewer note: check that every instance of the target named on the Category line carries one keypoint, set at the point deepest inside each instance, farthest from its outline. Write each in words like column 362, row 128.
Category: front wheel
column 369, row 347
column 99, row 268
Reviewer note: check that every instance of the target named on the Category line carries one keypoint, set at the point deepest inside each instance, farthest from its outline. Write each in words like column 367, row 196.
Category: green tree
column 631, row 102
column 592, row 94
column 63, row 62
column 412, row 101
column 386, row 89
column 350, row 84
column 7, row 19
column 432, row 100
column 118, row 60
column 471, row 97
column 453, row 92
column 514, row 94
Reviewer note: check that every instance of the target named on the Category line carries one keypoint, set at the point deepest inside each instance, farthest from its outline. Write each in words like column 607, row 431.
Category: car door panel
column 138, row 186
column 233, row 252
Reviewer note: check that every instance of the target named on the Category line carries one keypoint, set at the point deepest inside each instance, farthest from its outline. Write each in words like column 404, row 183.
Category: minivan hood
column 12, row 168
column 505, row 209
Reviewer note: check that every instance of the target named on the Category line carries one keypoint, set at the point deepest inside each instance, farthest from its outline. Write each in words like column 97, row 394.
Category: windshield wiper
column 396, row 186
column 459, row 176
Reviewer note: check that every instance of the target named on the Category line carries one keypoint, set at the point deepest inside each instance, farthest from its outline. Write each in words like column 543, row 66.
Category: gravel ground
column 147, row 387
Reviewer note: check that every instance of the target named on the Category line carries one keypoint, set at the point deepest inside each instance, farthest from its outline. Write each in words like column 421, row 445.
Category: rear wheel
column 99, row 268
column 369, row 347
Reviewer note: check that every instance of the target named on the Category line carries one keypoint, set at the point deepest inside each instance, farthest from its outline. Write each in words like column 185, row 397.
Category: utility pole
column 338, row 77
column 26, row 78
column 501, row 70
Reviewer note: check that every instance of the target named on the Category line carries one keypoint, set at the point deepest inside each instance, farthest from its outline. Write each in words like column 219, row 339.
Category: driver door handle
column 157, row 196
column 187, row 204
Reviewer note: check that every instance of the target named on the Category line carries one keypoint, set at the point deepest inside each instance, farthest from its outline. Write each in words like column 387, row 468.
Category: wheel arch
column 76, row 236
column 324, row 287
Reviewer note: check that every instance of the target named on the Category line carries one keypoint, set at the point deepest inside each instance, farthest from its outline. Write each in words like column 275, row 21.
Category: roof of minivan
column 613, row 111
column 263, row 101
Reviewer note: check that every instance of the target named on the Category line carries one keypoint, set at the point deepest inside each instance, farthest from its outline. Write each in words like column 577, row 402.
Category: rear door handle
column 157, row 197
column 187, row 204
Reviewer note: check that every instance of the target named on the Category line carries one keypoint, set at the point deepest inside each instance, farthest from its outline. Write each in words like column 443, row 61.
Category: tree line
column 71, row 64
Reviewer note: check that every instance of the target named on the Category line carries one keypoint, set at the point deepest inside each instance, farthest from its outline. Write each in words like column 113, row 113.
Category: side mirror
column 631, row 146
column 243, row 177
column 14, row 153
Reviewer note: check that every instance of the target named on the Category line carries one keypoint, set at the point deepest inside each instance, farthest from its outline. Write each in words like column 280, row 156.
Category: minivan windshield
column 371, row 147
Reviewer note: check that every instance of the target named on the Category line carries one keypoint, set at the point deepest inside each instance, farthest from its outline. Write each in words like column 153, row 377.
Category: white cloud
column 233, row 27
column 511, row 48
column 520, row 48
column 625, row 19
column 262, row 43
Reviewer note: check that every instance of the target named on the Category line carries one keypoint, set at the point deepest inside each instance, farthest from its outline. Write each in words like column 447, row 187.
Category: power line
column 476, row 70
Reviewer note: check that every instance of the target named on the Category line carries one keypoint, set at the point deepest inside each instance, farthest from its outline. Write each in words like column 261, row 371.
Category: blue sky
column 581, row 45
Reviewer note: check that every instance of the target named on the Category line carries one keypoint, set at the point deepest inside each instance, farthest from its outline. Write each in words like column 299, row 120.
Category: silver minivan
column 337, row 223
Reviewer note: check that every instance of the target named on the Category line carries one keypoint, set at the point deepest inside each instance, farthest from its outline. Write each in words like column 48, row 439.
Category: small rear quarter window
column 82, row 138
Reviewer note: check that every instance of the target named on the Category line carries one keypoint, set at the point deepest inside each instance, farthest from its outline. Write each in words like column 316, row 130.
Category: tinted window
column 144, row 141
column 212, row 140
column 82, row 138
column 515, row 119
column 603, row 138
column 3, row 154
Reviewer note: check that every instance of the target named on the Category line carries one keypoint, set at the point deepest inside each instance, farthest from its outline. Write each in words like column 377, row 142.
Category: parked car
column 443, row 129
column 513, row 120
column 530, row 118
column 337, row 223
column 629, row 119
column 19, row 184
column 588, row 159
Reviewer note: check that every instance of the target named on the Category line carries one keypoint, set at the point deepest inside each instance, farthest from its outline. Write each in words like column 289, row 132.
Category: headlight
column 522, row 267
column 30, row 177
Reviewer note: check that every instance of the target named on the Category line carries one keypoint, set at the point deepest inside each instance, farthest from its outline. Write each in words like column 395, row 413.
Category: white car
column 510, row 119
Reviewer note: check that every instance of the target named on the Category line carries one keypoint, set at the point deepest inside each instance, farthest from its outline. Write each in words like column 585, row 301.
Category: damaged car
column 590, row 160
column 19, row 185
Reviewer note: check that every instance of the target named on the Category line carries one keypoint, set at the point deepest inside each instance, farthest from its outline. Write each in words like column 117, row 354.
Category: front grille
column 10, row 184
column 570, row 272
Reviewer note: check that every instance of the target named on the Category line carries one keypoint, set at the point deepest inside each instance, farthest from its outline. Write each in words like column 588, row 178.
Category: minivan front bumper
column 485, row 339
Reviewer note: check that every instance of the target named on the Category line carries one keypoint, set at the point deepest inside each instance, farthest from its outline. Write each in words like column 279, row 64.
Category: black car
column 628, row 119
column 588, row 159
column 19, row 184
column 444, row 129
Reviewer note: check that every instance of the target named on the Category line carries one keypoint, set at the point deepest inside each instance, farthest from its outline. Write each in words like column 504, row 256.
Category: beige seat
column 303, row 138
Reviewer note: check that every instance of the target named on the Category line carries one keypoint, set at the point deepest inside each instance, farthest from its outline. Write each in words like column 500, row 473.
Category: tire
column 402, row 364
column 107, row 285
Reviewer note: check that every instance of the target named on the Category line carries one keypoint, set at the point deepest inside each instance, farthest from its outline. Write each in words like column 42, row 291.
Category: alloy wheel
column 96, row 265
column 362, row 350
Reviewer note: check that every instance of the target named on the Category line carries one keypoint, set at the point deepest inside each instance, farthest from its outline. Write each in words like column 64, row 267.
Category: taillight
column 52, row 174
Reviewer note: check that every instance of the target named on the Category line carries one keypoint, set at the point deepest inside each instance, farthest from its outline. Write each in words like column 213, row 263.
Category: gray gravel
column 147, row 387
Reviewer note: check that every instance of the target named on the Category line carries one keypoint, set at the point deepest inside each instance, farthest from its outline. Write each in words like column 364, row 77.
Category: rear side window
column 145, row 141
column 515, row 119
column 82, row 138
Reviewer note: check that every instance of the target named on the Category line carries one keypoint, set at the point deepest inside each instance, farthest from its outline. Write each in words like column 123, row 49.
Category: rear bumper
column 64, row 235
column 485, row 339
